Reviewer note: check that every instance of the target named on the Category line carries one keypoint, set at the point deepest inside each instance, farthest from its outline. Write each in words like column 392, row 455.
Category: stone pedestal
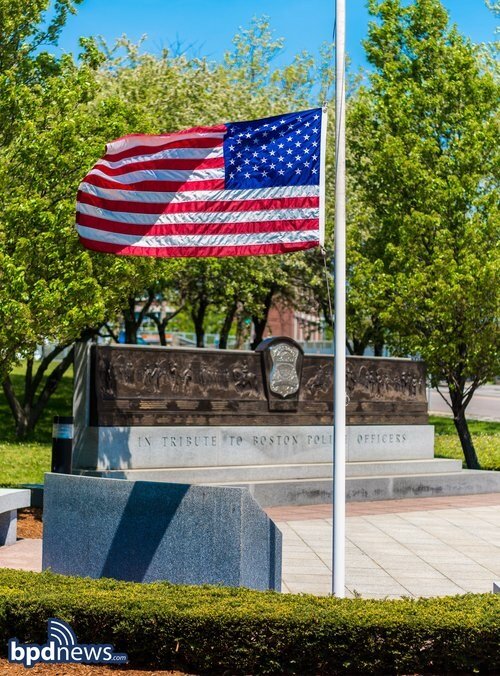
column 145, row 531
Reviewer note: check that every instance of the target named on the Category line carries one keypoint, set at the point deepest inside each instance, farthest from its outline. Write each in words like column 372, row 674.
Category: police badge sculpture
column 282, row 367
column 283, row 379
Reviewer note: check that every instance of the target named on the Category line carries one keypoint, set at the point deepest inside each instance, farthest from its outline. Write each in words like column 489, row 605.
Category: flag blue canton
column 282, row 150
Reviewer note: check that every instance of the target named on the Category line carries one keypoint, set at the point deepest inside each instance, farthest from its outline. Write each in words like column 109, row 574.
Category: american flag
column 238, row 189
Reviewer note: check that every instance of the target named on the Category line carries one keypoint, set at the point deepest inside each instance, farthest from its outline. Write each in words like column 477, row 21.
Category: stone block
column 116, row 448
column 11, row 499
column 145, row 531
column 8, row 527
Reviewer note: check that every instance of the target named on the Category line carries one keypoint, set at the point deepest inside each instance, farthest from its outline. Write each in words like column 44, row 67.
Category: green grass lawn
column 486, row 436
column 26, row 462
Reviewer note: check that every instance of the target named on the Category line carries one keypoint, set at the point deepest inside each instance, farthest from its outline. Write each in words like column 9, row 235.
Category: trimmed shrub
column 239, row 631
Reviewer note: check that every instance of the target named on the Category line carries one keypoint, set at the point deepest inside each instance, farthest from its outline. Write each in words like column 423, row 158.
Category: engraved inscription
column 384, row 438
column 275, row 440
column 189, row 441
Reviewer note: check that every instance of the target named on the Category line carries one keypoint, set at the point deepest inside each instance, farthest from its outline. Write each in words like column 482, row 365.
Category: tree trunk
column 470, row 454
column 198, row 317
column 458, row 408
column 242, row 330
column 49, row 388
column 226, row 326
column 358, row 345
column 260, row 322
column 133, row 323
column 18, row 413
column 161, row 324
column 378, row 337
column 27, row 414
column 130, row 322
column 162, row 333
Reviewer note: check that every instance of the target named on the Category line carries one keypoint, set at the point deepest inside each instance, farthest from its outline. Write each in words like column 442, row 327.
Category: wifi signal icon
column 61, row 633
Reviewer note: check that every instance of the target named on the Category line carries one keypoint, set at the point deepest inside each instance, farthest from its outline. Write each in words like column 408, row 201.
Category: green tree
column 52, row 126
column 424, row 156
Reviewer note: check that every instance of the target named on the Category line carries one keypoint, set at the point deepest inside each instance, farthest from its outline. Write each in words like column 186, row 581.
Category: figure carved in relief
column 350, row 381
column 187, row 378
column 320, row 381
column 160, row 374
column 420, row 386
column 244, row 380
column 109, row 381
column 124, row 371
column 214, row 378
column 172, row 371
column 387, row 383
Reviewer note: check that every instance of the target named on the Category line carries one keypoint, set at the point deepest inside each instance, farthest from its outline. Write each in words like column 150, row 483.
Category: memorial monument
column 260, row 420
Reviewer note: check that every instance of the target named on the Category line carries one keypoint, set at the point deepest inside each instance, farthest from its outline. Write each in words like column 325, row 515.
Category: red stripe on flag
column 201, row 206
column 247, row 227
column 199, row 142
column 156, row 186
column 151, row 165
column 190, row 252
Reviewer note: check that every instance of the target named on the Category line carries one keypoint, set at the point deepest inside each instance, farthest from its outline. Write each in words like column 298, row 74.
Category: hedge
column 214, row 630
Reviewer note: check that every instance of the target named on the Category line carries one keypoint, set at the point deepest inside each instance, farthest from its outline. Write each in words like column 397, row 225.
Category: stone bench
column 11, row 499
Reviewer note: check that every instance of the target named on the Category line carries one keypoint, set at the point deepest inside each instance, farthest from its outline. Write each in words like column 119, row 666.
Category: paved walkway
column 414, row 547
column 394, row 548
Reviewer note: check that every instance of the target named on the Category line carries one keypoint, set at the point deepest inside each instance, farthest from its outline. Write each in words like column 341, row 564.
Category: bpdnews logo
column 62, row 647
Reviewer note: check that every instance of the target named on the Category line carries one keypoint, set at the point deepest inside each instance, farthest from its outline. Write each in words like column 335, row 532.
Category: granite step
column 228, row 474
column 319, row 491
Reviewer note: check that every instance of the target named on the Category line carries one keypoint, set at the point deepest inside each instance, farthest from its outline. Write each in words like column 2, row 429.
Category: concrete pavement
column 413, row 547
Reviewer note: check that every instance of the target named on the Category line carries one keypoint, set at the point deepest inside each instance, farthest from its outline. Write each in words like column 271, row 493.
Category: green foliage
column 52, row 127
column 220, row 630
column 216, row 630
column 424, row 158
column 429, row 119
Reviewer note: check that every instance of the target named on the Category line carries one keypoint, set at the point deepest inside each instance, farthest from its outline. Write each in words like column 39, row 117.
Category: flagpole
column 339, row 401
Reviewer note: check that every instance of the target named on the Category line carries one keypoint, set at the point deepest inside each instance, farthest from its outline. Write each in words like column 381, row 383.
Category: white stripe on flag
column 130, row 142
column 162, row 175
column 202, row 217
column 169, row 154
column 200, row 195
column 245, row 239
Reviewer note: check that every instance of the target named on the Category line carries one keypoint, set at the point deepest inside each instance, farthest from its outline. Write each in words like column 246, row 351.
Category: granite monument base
column 119, row 448
column 146, row 531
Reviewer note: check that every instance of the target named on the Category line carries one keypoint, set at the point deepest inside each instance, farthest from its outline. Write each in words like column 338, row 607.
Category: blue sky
column 209, row 26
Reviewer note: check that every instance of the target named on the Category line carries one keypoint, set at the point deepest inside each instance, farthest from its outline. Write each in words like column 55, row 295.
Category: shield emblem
column 284, row 379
